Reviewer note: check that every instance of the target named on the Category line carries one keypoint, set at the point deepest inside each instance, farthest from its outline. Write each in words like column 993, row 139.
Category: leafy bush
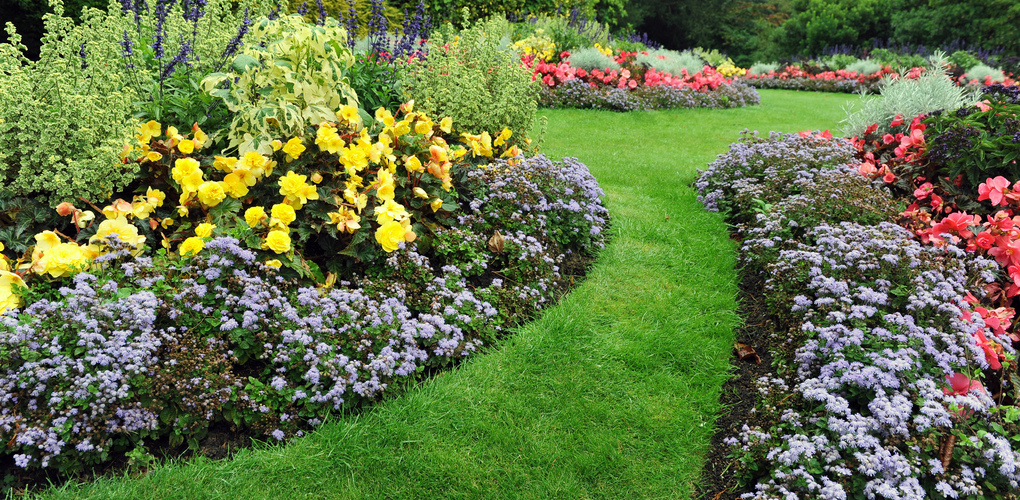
column 963, row 59
column 77, row 101
column 299, row 78
column 864, row 67
column 977, row 143
column 591, row 58
column 932, row 90
column 896, row 59
column 984, row 74
column 840, row 61
column 467, row 77
column 762, row 68
column 672, row 62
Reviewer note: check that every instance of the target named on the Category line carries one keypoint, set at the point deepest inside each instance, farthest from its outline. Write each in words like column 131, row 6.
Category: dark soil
column 739, row 396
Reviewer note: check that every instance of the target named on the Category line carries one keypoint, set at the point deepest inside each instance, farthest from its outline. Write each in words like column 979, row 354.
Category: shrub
column 467, row 77
column 932, row 90
column 298, row 79
column 864, row 67
column 76, row 102
column 672, row 62
column 762, row 68
column 963, row 59
column 984, row 74
column 591, row 58
column 840, row 61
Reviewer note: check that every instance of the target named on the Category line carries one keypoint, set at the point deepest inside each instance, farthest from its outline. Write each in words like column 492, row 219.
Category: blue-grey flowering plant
column 885, row 381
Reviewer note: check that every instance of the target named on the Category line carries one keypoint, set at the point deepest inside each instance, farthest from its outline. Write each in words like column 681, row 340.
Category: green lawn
column 611, row 394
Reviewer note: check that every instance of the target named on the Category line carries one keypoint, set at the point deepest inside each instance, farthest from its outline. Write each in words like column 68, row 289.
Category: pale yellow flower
column 124, row 230
column 274, row 263
column 294, row 148
column 9, row 298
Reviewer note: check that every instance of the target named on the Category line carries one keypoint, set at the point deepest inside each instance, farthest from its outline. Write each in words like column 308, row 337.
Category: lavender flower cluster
column 148, row 347
column 755, row 167
column 870, row 326
column 816, row 84
column 579, row 94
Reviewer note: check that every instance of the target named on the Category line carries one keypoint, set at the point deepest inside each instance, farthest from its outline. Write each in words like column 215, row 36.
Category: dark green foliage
column 990, row 24
column 976, row 144
column 818, row 24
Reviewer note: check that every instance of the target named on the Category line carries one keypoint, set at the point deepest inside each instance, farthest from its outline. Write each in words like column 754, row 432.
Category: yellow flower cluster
column 730, row 70
column 537, row 45
column 605, row 50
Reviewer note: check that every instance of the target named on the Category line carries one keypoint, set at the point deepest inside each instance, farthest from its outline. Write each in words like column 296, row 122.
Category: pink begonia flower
column 867, row 168
column 984, row 240
column 897, row 121
column 956, row 222
column 994, row 190
column 923, row 191
column 889, row 177
column 983, row 106
column 991, row 356
column 1006, row 252
column 961, row 385
column 888, row 139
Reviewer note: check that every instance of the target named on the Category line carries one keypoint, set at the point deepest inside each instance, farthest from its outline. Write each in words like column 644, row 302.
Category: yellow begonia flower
column 383, row 115
column 349, row 114
column 276, row 145
column 191, row 246
column 153, row 156
column 296, row 191
column 420, row 193
column 436, row 204
column 423, row 126
column 390, row 235
column 155, row 196
column 275, row 263
column 502, row 137
column 277, row 241
column 294, row 148
column 9, row 299
column 166, row 222
column 188, row 174
column 186, row 147
column 1, row 246
column 446, row 125
column 211, row 193
column 258, row 165
column 62, row 259
column 200, row 137
column 384, row 187
column 150, row 129
column 142, row 210
column 118, row 208
column 345, row 220
column 235, row 185
column 126, row 231
column 413, row 164
column 254, row 216
column 407, row 107
column 316, row 177
column 283, row 213
column 390, row 210
column 204, row 230
column 4, row 266
column 224, row 163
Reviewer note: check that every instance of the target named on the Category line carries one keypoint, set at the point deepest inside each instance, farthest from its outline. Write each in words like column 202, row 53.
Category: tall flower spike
column 322, row 13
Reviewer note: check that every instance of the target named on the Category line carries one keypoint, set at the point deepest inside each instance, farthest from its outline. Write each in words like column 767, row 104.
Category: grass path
column 611, row 394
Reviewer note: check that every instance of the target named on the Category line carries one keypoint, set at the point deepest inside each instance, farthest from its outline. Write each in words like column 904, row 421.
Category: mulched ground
column 739, row 396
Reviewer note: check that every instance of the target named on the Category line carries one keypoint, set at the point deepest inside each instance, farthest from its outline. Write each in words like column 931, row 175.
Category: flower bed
column 292, row 256
column 632, row 86
column 793, row 77
column 893, row 372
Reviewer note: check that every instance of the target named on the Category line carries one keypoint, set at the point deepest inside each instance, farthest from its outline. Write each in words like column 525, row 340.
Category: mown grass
column 611, row 394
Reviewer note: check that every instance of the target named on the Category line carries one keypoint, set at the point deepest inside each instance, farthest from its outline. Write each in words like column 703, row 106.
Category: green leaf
column 243, row 63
